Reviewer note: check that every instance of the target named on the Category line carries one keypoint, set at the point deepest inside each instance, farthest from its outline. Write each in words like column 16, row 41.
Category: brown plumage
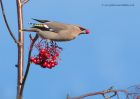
column 56, row 31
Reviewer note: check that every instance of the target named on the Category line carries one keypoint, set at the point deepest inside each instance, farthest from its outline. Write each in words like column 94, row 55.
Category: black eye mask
column 82, row 29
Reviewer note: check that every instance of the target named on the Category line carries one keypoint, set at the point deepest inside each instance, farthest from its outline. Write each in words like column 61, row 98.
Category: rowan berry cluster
column 48, row 55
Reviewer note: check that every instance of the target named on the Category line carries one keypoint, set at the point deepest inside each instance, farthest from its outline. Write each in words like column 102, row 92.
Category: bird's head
column 84, row 30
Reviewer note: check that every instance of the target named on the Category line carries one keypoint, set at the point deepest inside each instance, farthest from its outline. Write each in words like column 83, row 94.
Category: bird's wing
column 53, row 25
column 57, row 26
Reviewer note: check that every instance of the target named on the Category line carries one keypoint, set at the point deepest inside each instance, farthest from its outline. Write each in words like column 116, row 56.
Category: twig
column 105, row 97
column 117, row 96
column 6, row 22
column 24, row 2
column 28, row 64
column 98, row 93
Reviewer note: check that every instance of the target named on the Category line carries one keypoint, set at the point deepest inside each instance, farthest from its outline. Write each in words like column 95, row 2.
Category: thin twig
column 105, row 97
column 6, row 22
column 98, row 93
column 28, row 64
column 115, row 93
column 117, row 96
column 24, row 2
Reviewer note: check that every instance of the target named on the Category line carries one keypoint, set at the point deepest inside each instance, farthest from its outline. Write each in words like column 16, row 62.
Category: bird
column 56, row 31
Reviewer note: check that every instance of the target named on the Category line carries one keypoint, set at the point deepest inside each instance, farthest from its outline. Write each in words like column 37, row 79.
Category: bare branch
column 6, row 22
column 28, row 64
column 24, row 2
column 20, row 49
column 117, row 96
column 100, row 93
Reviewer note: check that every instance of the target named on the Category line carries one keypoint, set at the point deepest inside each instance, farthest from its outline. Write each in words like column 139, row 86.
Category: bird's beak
column 86, row 31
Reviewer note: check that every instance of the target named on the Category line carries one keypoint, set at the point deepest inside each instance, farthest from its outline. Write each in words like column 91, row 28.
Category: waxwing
column 56, row 31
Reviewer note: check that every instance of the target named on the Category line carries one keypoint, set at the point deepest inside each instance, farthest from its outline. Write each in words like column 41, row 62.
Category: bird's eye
column 82, row 29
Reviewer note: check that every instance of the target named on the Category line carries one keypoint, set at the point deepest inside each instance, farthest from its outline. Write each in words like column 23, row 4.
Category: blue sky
column 110, row 55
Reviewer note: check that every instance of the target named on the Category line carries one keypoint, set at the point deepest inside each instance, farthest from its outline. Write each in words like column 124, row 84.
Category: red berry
column 44, row 65
column 54, row 58
column 56, row 63
column 31, row 59
column 35, row 61
column 49, row 66
column 52, row 61
column 47, row 55
column 38, row 61
column 42, row 51
column 40, row 57
column 52, row 64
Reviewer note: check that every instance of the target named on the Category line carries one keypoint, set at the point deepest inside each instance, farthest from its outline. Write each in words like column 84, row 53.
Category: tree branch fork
column 103, row 93
column 21, row 3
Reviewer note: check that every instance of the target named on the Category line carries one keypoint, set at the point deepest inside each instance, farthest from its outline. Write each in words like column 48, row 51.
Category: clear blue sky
column 110, row 55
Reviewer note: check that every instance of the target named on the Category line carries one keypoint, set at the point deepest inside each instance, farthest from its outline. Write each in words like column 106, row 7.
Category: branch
column 100, row 93
column 118, row 96
column 28, row 64
column 24, row 2
column 6, row 22
column 20, row 49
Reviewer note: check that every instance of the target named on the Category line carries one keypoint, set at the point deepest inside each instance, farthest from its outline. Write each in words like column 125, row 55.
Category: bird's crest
column 41, row 21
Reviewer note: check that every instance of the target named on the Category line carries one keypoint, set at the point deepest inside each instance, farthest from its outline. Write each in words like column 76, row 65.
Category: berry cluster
column 48, row 55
